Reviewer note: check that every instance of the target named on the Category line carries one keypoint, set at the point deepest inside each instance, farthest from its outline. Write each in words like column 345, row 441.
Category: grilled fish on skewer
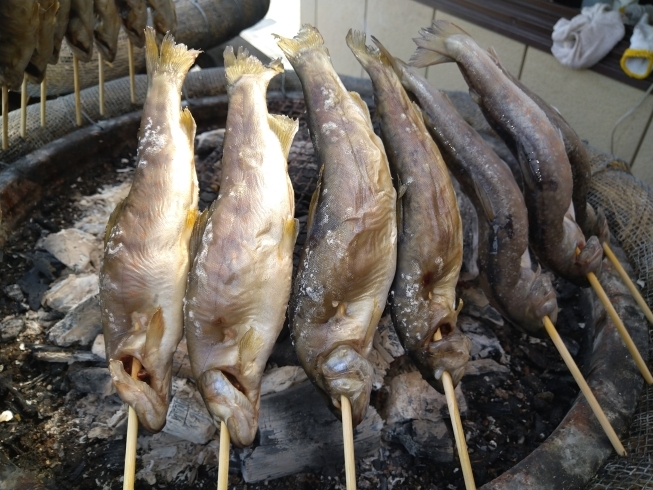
column 164, row 16
column 349, row 257
column 239, row 282
column 589, row 220
column 134, row 18
column 519, row 293
column 146, row 253
column 45, row 40
column 430, row 238
column 61, row 23
column 19, row 23
column 553, row 233
column 107, row 28
column 79, row 32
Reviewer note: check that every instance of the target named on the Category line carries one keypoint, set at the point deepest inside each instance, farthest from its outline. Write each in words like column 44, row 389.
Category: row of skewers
column 32, row 31
column 383, row 224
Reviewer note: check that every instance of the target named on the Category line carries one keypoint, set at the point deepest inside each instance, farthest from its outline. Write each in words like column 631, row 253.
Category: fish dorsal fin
column 485, row 200
column 249, row 347
column 314, row 198
column 188, row 125
column 363, row 106
column 113, row 218
column 155, row 330
column 285, row 129
column 198, row 230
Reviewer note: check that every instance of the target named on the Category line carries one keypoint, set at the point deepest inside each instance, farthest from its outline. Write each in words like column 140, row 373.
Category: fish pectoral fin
column 363, row 106
column 113, row 218
column 188, row 125
column 314, row 198
column 290, row 232
column 285, row 129
column 249, row 347
column 155, row 330
column 198, row 231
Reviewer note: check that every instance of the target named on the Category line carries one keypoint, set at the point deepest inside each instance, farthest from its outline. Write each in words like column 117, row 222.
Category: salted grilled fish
column 522, row 295
column 45, row 40
column 349, row 256
column 589, row 220
column 107, row 28
column 19, row 23
column 430, row 237
column 79, row 33
column 146, row 252
column 61, row 23
column 164, row 16
column 553, row 233
column 133, row 14
column 239, row 282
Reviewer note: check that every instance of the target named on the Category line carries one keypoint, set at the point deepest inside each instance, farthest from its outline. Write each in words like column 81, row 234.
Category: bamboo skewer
column 44, row 99
column 582, row 384
column 348, row 439
column 100, row 67
column 132, row 81
column 223, row 457
column 5, row 117
column 23, row 108
column 456, row 423
column 132, row 435
column 621, row 328
column 628, row 282
column 78, row 102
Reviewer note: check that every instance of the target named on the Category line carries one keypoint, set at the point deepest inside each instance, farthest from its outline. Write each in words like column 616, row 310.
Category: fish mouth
column 541, row 301
column 227, row 403
column 150, row 406
column 590, row 257
column 345, row 372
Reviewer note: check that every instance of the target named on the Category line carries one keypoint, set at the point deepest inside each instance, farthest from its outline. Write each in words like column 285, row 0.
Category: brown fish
column 146, row 253
column 61, row 24
column 164, row 16
column 589, row 220
column 522, row 295
column 45, row 44
column 430, row 237
column 349, row 257
column 19, row 23
column 133, row 14
column 79, row 33
column 107, row 28
column 553, row 233
column 239, row 282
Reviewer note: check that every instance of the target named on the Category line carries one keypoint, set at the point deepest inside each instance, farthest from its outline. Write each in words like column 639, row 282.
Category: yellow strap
column 637, row 53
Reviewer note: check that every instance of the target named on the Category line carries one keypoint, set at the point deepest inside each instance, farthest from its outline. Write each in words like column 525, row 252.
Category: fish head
column 227, row 403
column 450, row 353
column 541, row 301
column 596, row 224
column 150, row 403
column 345, row 372
column 590, row 257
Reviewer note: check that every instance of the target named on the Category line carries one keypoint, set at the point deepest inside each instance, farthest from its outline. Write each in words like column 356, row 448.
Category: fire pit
column 63, row 425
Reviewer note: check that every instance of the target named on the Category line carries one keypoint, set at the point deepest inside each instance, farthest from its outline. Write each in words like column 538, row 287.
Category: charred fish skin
column 430, row 239
column 38, row 63
column 520, row 294
column 349, row 257
column 240, row 279
column 590, row 221
column 164, row 16
column 19, row 23
column 107, row 28
column 133, row 14
column 146, row 254
column 554, row 235
column 79, row 32
column 61, row 23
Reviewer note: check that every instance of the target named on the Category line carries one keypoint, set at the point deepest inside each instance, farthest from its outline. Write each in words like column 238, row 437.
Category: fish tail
column 432, row 46
column 237, row 65
column 174, row 60
column 366, row 55
column 307, row 38
column 284, row 128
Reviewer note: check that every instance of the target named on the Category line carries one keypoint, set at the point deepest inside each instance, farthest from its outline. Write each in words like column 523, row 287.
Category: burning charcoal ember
column 97, row 208
column 423, row 439
column 14, row 292
column 482, row 367
column 64, row 295
column 67, row 356
column 81, row 325
column 299, row 418
column 209, row 141
column 10, row 327
column 36, row 281
column 180, row 360
column 74, row 248
column 92, row 380
column 484, row 341
column 485, row 313
column 380, row 366
column 98, row 348
column 187, row 417
column 386, row 337
column 281, row 378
